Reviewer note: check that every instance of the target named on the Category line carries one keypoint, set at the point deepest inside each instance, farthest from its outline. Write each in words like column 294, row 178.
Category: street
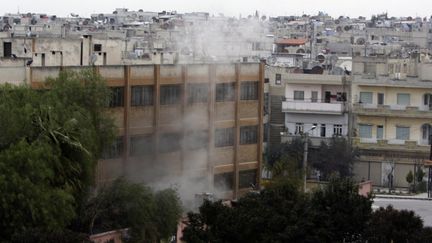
column 421, row 207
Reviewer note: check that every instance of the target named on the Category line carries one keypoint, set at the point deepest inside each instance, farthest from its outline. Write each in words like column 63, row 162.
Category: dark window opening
column 323, row 130
column 249, row 90
column 196, row 140
column 224, row 181
column 170, row 94
column 198, row 93
column 224, row 137
column 117, row 97
column 97, row 47
column 225, row 92
column 278, row 78
column 142, row 95
column 248, row 134
column 7, row 49
column 169, row 142
column 247, row 178
column 141, row 145
column 115, row 150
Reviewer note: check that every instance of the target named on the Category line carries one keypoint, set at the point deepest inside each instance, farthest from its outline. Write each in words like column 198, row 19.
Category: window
column 224, row 181
column 278, row 79
column 141, row 145
column 380, row 99
column 170, row 94
column 403, row 99
column 97, row 47
column 365, row 131
column 366, row 97
column 247, row 178
column 224, row 137
column 43, row 60
column 380, row 132
column 196, row 140
column 402, row 133
column 298, row 95
column 337, row 130
column 197, row 93
column 117, row 97
column 169, row 142
column 142, row 95
column 115, row 150
column 248, row 134
column 299, row 128
column 249, row 90
column 225, row 92
column 7, row 49
column 323, row 130
column 314, row 96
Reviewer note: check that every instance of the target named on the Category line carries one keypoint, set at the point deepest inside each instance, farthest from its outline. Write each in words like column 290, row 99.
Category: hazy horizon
column 335, row 8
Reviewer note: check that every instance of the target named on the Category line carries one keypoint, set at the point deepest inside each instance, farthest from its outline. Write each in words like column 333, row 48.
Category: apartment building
column 301, row 101
column 392, row 116
column 199, row 125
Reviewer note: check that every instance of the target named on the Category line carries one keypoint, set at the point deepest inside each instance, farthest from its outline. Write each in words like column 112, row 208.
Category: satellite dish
column 271, row 60
column 320, row 58
column 360, row 41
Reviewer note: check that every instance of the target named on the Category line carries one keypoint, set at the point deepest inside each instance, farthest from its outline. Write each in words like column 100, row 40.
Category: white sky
column 335, row 8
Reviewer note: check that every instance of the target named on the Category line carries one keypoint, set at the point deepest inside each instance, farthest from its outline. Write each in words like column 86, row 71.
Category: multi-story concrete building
column 300, row 101
column 195, row 126
column 392, row 116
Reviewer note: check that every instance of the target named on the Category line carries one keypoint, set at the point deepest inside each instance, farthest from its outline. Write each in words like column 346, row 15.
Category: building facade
column 198, row 127
column 392, row 117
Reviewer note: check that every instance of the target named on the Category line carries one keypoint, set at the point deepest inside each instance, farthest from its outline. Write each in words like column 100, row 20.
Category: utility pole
column 305, row 155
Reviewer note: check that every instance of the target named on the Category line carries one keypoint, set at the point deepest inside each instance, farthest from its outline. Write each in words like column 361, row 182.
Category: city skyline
column 334, row 8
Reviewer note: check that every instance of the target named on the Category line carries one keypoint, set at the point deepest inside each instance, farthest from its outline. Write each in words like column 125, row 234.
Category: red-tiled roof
column 292, row 42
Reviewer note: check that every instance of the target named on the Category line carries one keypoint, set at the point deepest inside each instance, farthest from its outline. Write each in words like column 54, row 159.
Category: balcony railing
column 391, row 144
column 312, row 106
column 392, row 110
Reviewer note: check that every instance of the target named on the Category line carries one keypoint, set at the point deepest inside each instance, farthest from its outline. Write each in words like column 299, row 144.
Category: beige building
column 198, row 127
column 392, row 117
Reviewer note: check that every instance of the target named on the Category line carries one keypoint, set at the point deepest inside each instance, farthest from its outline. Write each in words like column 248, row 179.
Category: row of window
column 143, row 95
column 401, row 98
column 170, row 142
column 225, row 181
column 337, row 129
column 328, row 96
column 365, row 131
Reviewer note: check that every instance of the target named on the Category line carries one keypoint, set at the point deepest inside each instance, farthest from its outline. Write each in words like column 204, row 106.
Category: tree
column 409, row 177
column 391, row 225
column 337, row 157
column 285, row 161
column 49, row 145
column 283, row 213
column 50, row 142
column 150, row 216
column 340, row 213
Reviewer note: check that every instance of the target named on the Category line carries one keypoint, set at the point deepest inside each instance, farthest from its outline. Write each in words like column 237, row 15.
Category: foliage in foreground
column 336, row 157
column 50, row 141
column 282, row 213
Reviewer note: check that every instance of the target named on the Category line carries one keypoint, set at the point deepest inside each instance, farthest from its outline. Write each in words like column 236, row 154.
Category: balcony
column 395, row 145
column 313, row 141
column 308, row 107
column 392, row 111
